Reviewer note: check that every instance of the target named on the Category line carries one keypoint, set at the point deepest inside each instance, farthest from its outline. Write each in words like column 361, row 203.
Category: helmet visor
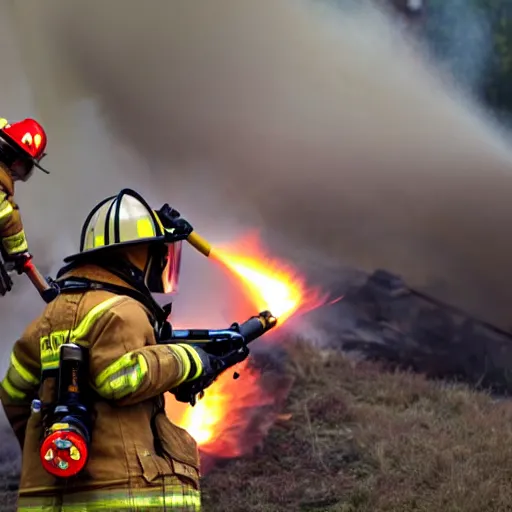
column 19, row 165
column 163, row 272
column 22, row 169
column 171, row 271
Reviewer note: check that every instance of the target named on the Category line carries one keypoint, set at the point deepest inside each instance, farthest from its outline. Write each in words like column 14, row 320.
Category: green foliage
column 490, row 42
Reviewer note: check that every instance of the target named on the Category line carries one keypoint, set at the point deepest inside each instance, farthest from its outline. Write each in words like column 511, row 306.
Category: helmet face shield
column 22, row 169
column 163, row 272
column 171, row 271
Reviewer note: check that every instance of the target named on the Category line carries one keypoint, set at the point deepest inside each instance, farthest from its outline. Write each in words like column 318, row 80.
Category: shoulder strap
column 126, row 272
column 82, row 284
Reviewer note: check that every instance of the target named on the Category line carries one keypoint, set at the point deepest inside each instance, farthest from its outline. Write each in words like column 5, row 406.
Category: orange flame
column 270, row 283
column 214, row 421
column 218, row 418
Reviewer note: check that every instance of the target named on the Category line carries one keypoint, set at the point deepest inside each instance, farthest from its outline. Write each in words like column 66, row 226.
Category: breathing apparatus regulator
column 67, row 424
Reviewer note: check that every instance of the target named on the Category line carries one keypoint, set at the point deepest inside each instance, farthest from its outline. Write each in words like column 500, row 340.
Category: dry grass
column 9, row 469
column 364, row 440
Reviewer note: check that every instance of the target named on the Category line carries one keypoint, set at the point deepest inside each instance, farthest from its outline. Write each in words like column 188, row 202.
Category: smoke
column 328, row 128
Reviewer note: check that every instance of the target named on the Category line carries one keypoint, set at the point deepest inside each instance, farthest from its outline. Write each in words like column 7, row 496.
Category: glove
column 205, row 368
column 176, row 228
column 16, row 261
column 5, row 280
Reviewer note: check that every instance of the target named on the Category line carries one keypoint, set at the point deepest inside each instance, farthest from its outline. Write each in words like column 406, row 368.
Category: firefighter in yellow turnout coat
column 138, row 459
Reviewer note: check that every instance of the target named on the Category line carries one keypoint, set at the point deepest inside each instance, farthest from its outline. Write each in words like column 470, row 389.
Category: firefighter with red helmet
column 22, row 145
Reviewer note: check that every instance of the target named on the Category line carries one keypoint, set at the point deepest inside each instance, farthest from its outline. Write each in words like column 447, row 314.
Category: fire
column 270, row 283
column 215, row 417
column 217, row 420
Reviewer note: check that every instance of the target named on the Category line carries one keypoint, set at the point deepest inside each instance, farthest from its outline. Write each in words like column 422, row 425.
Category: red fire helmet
column 22, row 146
column 29, row 135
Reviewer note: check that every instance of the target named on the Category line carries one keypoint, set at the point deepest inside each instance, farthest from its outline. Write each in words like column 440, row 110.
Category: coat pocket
column 153, row 467
column 179, row 447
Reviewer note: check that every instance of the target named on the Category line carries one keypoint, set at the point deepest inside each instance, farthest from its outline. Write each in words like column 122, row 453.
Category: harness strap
column 83, row 284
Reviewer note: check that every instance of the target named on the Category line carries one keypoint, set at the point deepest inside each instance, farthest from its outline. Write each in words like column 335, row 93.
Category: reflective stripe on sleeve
column 122, row 377
column 6, row 209
column 16, row 243
column 12, row 391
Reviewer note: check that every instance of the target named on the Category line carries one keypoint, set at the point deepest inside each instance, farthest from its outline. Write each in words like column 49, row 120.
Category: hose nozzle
column 199, row 243
column 257, row 325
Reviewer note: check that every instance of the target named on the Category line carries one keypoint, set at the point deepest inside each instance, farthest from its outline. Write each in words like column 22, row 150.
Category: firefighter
column 22, row 145
column 137, row 459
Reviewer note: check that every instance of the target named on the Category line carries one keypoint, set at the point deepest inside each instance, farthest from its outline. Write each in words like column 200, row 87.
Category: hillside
column 360, row 439
column 355, row 438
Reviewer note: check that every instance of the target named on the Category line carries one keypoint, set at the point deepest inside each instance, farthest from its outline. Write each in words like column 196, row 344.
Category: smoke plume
column 327, row 127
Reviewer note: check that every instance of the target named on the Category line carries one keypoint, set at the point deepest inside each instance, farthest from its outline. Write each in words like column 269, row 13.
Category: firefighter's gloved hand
column 205, row 368
column 173, row 223
column 16, row 261
column 5, row 281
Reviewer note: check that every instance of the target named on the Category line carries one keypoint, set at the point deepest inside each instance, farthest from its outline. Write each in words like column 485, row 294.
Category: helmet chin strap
column 130, row 273
column 155, row 266
column 152, row 264
column 136, row 278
